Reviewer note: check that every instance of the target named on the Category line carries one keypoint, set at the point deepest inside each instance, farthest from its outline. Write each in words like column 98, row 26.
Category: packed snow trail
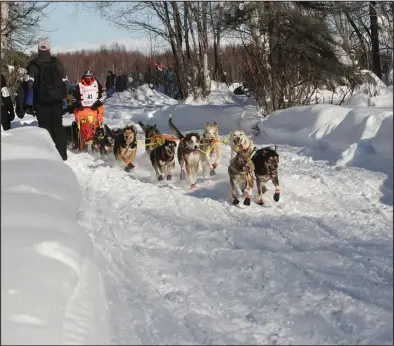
column 187, row 267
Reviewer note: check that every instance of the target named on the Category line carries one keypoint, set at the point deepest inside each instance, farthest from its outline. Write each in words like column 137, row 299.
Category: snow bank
column 360, row 137
column 141, row 96
column 188, row 117
column 52, row 291
column 220, row 95
column 27, row 120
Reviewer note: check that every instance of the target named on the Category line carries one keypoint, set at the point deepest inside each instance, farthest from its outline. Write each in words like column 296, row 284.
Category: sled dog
column 102, row 142
column 240, row 141
column 210, row 148
column 188, row 153
column 266, row 161
column 240, row 172
column 153, row 137
column 125, row 145
column 163, row 159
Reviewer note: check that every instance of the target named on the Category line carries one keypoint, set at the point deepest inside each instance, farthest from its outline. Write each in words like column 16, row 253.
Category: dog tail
column 142, row 126
column 174, row 130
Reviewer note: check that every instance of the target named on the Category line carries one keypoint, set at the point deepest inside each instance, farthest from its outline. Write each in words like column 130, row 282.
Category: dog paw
column 235, row 201
column 212, row 172
column 276, row 196
column 182, row 176
column 247, row 201
column 169, row 177
column 260, row 202
column 129, row 167
column 160, row 178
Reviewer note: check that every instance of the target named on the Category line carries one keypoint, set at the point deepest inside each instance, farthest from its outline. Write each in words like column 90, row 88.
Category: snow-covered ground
column 187, row 267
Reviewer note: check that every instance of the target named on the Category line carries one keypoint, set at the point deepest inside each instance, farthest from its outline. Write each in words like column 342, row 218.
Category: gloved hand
column 20, row 113
column 96, row 105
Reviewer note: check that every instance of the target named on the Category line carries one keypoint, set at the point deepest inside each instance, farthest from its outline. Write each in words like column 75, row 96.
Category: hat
column 88, row 73
column 44, row 45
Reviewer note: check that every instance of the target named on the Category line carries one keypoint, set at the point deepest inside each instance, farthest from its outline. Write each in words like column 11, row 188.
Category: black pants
column 50, row 117
column 5, row 119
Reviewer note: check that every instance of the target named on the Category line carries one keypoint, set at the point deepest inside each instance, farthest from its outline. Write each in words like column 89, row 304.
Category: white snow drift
column 51, row 289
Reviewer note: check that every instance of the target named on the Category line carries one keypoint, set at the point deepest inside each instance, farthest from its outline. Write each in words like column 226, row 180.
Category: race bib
column 89, row 94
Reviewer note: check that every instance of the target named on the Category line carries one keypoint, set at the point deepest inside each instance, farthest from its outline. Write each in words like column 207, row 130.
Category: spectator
column 49, row 90
column 24, row 97
column 110, row 84
column 120, row 82
column 7, row 109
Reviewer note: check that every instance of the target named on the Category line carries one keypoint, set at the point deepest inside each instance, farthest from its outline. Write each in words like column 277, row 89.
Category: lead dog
column 125, row 145
column 210, row 146
column 266, row 161
column 188, row 153
column 240, row 141
column 240, row 172
column 163, row 159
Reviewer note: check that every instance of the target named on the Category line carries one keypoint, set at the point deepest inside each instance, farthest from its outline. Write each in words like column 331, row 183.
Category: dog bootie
column 160, row 178
column 183, row 175
column 169, row 177
column 129, row 167
column 247, row 201
column 212, row 172
column 235, row 201
column 260, row 202
column 277, row 195
column 193, row 186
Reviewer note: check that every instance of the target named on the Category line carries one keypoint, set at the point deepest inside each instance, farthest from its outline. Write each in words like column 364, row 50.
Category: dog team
column 194, row 149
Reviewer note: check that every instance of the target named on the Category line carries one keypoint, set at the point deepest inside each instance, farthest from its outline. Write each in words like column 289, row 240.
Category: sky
column 70, row 28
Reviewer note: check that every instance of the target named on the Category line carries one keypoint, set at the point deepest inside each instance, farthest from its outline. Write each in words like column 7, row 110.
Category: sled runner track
column 188, row 267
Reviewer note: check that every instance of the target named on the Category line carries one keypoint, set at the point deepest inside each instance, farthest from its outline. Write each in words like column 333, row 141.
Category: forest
column 282, row 51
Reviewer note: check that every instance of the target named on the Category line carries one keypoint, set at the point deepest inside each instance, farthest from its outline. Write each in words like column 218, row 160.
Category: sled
column 88, row 121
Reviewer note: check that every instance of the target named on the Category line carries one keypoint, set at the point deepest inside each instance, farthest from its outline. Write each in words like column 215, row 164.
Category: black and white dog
column 266, row 161
column 163, row 159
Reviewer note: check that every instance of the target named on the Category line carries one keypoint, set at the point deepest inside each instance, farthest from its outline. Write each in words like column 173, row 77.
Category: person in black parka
column 49, row 90
column 7, row 109
column 110, row 83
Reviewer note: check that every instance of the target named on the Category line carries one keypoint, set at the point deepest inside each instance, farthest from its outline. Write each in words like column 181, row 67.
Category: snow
column 342, row 136
column 142, row 96
column 52, row 289
column 184, row 266
column 220, row 94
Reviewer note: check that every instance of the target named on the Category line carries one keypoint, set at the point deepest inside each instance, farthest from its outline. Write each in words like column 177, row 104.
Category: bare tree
column 290, row 52
column 21, row 27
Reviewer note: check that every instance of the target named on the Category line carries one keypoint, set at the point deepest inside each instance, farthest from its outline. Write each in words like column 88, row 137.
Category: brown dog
column 125, row 145
column 188, row 153
column 210, row 148
column 240, row 172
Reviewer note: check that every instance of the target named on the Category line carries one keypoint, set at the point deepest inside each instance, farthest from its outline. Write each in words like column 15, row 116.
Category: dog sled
column 87, row 122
